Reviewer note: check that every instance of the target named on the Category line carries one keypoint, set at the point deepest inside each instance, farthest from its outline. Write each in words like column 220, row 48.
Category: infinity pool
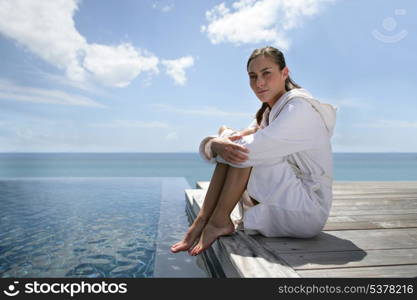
column 93, row 227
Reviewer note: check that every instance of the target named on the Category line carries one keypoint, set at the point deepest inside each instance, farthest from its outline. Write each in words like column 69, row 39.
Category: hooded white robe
column 292, row 172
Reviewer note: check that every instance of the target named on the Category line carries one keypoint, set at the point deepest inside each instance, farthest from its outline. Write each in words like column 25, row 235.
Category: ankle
column 201, row 219
column 220, row 221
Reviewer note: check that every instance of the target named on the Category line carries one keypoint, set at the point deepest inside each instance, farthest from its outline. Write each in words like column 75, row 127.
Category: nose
column 260, row 82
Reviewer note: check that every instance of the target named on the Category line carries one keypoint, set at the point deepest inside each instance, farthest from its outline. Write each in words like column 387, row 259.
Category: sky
column 159, row 76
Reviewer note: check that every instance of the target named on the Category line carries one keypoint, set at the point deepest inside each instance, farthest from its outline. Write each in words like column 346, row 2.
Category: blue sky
column 158, row 76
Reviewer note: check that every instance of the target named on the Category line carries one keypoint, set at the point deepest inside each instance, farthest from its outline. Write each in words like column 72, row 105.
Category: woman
column 285, row 166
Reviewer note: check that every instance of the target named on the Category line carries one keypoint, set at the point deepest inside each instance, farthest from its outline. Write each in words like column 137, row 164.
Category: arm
column 205, row 150
column 297, row 128
column 244, row 132
column 206, row 146
column 225, row 131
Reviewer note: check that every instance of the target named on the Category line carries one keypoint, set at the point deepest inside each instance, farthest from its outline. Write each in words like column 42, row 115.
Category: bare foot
column 210, row 233
column 191, row 237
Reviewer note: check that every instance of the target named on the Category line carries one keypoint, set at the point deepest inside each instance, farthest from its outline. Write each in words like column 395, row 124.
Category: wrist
column 213, row 148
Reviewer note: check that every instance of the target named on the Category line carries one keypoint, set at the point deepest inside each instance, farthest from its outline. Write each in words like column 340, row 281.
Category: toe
column 192, row 251
column 174, row 250
column 195, row 250
column 192, row 247
column 199, row 250
column 180, row 246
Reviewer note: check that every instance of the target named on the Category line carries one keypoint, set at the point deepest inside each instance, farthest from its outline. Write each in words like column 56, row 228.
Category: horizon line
column 179, row 152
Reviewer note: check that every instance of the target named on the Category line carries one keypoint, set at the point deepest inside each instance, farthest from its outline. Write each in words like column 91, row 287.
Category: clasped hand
column 228, row 150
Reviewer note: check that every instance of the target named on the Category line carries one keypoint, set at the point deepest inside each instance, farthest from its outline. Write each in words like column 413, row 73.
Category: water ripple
column 78, row 227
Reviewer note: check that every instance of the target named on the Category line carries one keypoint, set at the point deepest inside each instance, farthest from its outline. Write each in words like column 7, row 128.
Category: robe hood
column 327, row 111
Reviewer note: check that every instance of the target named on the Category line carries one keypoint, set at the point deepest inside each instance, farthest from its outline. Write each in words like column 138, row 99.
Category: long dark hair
column 279, row 59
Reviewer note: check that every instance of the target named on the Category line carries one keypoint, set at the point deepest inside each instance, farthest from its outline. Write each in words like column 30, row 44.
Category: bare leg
column 210, row 202
column 220, row 223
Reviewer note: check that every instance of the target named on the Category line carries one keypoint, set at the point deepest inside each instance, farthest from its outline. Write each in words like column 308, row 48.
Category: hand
column 239, row 134
column 231, row 152
column 235, row 137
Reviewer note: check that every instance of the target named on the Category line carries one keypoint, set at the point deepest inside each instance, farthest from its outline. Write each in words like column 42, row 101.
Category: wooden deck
column 371, row 232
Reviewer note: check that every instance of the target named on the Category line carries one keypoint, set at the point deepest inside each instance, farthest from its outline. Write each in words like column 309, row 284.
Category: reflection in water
column 78, row 227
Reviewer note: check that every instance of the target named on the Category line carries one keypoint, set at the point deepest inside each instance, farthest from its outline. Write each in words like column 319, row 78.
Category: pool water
column 91, row 227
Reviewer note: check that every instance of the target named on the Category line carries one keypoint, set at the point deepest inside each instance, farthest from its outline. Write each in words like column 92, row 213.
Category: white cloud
column 163, row 7
column 11, row 91
column 176, row 68
column 203, row 111
column 117, row 65
column 47, row 29
column 130, row 124
column 256, row 21
column 388, row 124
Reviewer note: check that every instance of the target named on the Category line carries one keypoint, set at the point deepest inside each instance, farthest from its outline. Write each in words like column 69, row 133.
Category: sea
column 346, row 166
column 116, row 214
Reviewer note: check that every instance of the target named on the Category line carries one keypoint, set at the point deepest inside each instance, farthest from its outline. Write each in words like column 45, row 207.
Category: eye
column 252, row 77
column 266, row 73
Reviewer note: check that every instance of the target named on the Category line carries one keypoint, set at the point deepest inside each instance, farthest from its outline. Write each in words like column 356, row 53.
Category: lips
column 261, row 92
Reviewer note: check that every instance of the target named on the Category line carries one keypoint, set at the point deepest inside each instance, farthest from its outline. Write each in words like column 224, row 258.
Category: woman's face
column 266, row 79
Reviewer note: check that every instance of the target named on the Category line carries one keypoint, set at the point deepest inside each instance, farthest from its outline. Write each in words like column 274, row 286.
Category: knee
column 240, row 170
column 222, row 165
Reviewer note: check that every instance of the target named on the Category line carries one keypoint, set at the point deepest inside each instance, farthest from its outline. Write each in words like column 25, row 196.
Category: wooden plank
column 375, row 196
column 251, row 260
column 372, row 218
column 371, row 232
column 374, row 184
column 371, row 190
column 389, row 271
column 357, row 212
column 370, row 187
column 381, row 201
column 349, row 259
column 377, row 205
column 406, row 188
column 344, row 240
column 359, row 225
column 385, row 194
column 364, row 208
column 374, row 193
column 398, row 224
column 352, row 225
